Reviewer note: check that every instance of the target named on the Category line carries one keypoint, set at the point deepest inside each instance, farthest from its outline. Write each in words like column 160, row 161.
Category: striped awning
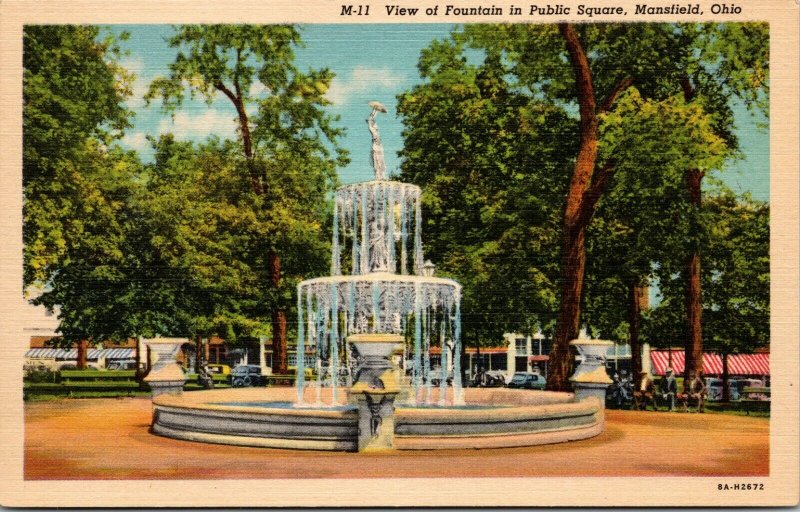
column 738, row 364
column 72, row 353
column 119, row 353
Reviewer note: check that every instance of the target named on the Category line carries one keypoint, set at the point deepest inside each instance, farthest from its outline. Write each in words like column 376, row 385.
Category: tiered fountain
column 349, row 328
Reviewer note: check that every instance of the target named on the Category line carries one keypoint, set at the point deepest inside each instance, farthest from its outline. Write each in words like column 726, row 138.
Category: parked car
column 245, row 375
column 714, row 389
column 499, row 375
column 748, row 383
column 523, row 380
column 219, row 369
column 121, row 365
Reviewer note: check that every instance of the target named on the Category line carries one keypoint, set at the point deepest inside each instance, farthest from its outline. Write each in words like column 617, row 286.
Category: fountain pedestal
column 590, row 377
column 166, row 375
column 375, row 388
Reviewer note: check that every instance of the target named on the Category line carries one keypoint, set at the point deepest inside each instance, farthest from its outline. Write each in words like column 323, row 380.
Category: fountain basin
column 492, row 418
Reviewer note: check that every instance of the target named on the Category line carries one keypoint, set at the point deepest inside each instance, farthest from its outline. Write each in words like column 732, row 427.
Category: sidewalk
column 109, row 439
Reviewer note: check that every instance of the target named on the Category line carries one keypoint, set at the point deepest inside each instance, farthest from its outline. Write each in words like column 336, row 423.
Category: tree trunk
column 634, row 323
column 477, row 350
column 83, row 348
column 572, row 269
column 585, row 188
column 694, row 329
column 573, row 255
column 138, row 357
column 279, row 345
column 726, row 393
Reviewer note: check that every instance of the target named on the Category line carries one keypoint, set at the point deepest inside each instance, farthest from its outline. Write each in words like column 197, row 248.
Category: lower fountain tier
column 385, row 278
column 491, row 418
column 377, row 302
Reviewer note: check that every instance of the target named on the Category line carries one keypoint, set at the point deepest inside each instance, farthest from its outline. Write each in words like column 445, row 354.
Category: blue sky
column 371, row 62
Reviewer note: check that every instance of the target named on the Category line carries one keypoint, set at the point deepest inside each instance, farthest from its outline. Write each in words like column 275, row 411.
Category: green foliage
column 644, row 215
column 39, row 374
column 487, row 195
column 201, row 222
column 269, row 199
column 493, row 162
column 737, row 280
column 73, row 96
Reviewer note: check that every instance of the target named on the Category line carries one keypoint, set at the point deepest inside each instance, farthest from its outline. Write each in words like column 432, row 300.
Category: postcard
column 416, row 253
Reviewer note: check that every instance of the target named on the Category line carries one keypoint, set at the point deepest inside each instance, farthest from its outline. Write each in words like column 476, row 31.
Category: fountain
column 350, row 325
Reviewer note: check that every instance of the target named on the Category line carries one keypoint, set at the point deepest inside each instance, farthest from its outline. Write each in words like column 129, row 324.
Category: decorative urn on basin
column 590, row 377
column 166, row 376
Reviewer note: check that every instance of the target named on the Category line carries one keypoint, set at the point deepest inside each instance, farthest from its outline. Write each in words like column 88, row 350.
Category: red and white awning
column 738, row 364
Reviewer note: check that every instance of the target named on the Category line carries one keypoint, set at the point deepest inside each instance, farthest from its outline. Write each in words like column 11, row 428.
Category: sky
column 371, row 62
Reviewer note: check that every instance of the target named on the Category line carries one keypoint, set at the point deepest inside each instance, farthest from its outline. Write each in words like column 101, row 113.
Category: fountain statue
column 380, row 303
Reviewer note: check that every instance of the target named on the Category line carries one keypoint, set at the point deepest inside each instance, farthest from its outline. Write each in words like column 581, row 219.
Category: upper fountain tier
column 378, row 222
column 379, row 225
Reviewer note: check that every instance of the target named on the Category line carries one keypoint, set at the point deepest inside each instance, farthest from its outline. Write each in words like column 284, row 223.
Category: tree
column 492, row 174
column 587, row 67
column 286, row 141
column 736, row 283
column 73, row 95
column 642, row 217
column 605, row 60
column 74, row 187
column 732, row 61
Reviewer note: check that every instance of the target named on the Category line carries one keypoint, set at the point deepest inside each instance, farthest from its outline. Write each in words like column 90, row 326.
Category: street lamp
column 428, row 268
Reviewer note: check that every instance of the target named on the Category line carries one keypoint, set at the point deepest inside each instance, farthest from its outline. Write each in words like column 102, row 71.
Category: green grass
column 66, row 395
column 734, row 408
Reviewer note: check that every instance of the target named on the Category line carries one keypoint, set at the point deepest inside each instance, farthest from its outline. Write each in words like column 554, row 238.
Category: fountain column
column 375, row 389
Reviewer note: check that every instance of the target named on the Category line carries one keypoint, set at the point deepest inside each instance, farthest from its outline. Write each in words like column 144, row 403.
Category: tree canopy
column 489, row 160
column 288, row 141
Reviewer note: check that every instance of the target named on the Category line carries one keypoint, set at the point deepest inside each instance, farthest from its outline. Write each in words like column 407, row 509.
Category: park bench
column 755, row 399
column 99, row 379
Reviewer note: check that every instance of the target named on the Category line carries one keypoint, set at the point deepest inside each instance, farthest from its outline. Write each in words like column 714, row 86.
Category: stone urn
column 590, row 377
column 165, row 376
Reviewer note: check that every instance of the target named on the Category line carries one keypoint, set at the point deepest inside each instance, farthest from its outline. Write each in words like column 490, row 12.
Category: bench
column 755, row 399
column 98, row 379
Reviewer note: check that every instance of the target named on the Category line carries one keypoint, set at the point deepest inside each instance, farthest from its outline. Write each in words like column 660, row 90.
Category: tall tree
column 589, row 67
column 289, row 127
column 642, row 216
column 732, row 61
column 736, row 282
column 73, row 95
column 74, row 187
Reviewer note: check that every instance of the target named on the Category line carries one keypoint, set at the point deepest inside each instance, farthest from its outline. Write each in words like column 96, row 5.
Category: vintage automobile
column 245, row 375
column 524, row 380
column 714, row 389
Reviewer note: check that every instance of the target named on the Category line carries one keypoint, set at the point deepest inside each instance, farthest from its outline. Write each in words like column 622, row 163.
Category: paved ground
column 109, row 439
